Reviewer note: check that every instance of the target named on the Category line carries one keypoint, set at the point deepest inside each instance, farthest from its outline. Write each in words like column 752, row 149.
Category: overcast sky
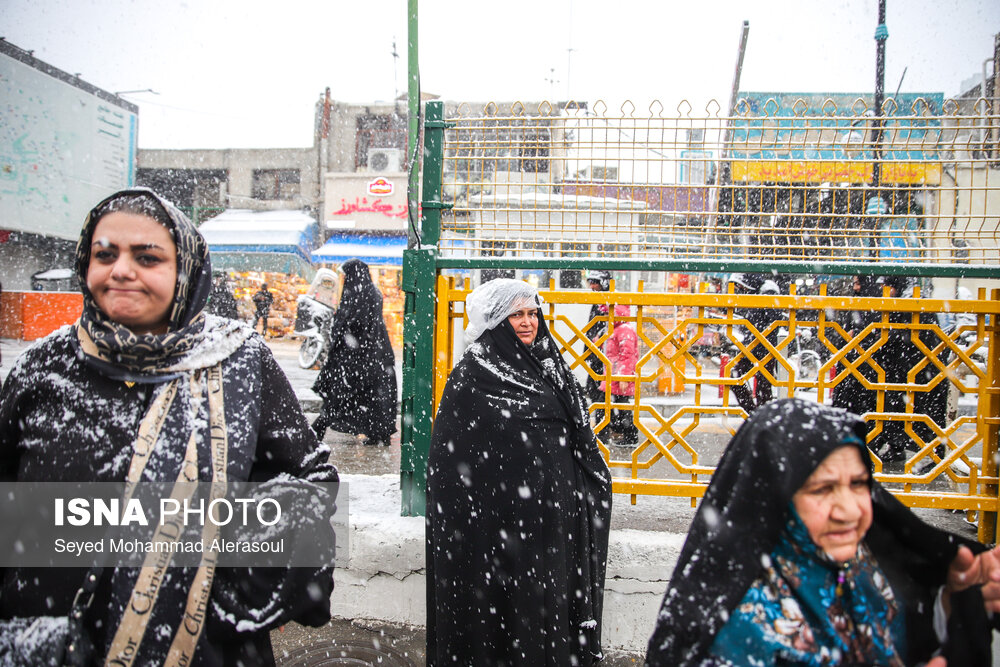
column 247, row 73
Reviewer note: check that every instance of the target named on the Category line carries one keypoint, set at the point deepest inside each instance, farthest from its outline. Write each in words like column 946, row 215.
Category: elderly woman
column 798, row 557
column 519, row 498
column 145, row 364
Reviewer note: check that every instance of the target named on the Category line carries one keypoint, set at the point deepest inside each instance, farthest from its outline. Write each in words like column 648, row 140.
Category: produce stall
column 383, row 253
column 257, row 247
column 285, row 288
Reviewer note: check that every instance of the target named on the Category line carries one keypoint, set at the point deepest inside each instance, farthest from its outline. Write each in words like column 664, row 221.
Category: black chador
column 518, row 511
column 358, row 379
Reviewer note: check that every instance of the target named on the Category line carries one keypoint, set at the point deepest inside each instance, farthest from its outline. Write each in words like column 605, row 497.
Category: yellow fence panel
column 698, row 349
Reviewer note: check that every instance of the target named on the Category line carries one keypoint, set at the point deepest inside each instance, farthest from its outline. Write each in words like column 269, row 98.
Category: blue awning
column 279, row 241
column 372, row 249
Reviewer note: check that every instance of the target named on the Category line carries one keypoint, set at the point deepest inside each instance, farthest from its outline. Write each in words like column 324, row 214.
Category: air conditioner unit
column 385, row 160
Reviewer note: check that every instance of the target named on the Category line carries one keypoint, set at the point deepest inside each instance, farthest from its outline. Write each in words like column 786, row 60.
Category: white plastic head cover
column 769, row 287
column 740, row 280
column 493, row 302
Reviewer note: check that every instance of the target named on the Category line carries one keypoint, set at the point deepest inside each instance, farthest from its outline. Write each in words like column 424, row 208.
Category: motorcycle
column 314, row 318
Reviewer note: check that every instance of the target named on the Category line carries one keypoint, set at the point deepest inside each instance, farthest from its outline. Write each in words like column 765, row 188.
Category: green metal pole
column 413, row 123
column 419, row 276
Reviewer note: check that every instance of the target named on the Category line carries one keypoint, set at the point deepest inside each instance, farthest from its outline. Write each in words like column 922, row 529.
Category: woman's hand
column 937, row 662
column 968, row 569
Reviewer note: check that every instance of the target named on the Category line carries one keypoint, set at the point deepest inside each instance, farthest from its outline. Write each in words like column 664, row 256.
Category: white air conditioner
column 385, row 160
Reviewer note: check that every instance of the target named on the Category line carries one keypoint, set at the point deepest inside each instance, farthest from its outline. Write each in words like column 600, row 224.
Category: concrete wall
column 385, row 578
column 240, row 163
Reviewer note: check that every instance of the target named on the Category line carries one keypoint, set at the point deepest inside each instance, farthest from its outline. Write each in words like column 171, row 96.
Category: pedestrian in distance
column 221, row 301
column 262, row 300
column 146, row 364
column 519, row 498
column 622, row 350
column 851, row 393
column 896, row 356
column 358, row 380
column 759, row 328
column 797, row 556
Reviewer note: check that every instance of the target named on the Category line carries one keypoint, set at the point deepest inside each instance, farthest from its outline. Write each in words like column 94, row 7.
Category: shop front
column 823, row 170
column 254, row 248
column 383, row 253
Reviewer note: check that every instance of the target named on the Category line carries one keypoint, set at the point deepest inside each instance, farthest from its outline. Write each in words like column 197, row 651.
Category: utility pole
column 881, row 35
column 395, row 81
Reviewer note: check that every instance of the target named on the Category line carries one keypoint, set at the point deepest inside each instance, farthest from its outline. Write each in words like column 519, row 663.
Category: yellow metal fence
column 690, row 344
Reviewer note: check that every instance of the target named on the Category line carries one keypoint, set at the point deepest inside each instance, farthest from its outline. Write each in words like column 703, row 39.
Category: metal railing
column 800, row 189
column 788, row 180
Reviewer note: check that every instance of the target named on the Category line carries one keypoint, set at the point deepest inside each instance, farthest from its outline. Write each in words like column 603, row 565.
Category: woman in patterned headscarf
column 145, row 364
column 797, row 556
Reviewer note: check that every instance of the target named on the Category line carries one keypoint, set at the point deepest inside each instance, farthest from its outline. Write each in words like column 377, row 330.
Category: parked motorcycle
column 314, row 317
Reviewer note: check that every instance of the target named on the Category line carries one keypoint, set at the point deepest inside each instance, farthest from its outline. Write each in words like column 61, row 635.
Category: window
column 508, row 145
column 186, row 187
column 604, row 173
column 535, row 151
column 281, row 184
column 378, row 131
column 613, row 250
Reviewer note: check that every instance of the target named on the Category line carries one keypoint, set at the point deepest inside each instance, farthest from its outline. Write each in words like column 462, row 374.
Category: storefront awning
column 374, row 250
column 275, row 241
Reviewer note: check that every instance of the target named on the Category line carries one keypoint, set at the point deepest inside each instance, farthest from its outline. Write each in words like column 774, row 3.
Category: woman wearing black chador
column 358, row 379
column 518, row 498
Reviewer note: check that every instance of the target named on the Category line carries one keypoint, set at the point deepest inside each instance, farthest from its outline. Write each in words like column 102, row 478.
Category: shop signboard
column 827, row 138
column 365, row 201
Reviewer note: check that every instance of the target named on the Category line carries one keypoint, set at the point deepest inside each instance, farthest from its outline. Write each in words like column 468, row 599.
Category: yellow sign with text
column 806, row 171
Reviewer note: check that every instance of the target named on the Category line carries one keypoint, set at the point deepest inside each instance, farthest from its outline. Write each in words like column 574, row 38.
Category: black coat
column 599, row 317
column 358, row 379
column 262, row 300
column 518, row 512
column 62, row 421
column 221, row 302
column 850, row 393
column 741, row 516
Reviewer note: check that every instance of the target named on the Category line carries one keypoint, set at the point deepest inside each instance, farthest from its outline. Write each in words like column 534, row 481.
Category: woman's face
column 133, row 271
column 835, row 503
column 525, row 323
